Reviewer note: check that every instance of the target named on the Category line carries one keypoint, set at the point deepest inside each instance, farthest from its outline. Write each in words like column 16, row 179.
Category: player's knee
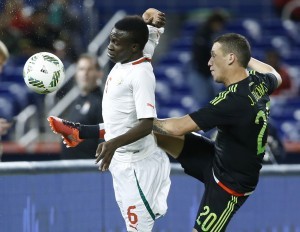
column 170, row 144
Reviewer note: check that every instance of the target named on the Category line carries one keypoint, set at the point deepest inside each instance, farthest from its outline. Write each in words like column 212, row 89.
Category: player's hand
column 105, row 153
column 154, row 17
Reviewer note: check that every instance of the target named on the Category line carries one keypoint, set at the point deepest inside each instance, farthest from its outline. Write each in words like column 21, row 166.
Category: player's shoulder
column 144, row 70
column 269, row 80
column 226, row 95
column 261, row 77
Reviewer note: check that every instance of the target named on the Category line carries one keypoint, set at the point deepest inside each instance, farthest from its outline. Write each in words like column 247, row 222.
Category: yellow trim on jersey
column 223, row 94
column 252, row 72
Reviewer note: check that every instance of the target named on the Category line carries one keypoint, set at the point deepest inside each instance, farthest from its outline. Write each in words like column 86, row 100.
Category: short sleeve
column 143, row 88
column 270, row 81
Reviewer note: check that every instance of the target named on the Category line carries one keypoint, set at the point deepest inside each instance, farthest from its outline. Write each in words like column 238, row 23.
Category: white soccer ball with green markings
column 43, row 72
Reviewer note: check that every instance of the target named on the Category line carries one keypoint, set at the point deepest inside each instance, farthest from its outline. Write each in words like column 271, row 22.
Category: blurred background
column 70, row 28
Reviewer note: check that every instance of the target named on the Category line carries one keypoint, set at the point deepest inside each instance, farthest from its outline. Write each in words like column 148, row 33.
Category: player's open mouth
column 110, row 54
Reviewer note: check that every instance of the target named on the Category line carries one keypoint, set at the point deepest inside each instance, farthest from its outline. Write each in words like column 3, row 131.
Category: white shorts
column 141, row 189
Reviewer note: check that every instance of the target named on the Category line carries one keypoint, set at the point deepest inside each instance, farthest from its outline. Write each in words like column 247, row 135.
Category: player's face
column 120, row 46
column 87, row 75
column 217, row 63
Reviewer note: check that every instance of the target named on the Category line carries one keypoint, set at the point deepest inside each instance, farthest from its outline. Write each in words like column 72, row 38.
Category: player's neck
column 236, row 76
column 134, row 57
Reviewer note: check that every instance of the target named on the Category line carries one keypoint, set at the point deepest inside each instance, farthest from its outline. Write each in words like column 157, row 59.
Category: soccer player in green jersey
column 228, row 167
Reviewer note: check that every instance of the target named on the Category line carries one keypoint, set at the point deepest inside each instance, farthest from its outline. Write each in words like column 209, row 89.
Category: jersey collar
column 141, row 60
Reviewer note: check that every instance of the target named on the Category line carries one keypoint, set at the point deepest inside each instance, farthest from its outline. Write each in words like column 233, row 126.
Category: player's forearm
column 153, row 40
column 260, row 66
column 175, row 126
column 263, row 68
column 141, row 130
column 156, row 21
column 166, row 126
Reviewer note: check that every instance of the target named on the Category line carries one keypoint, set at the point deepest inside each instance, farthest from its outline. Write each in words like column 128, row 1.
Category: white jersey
column 129, row 95
column 140, row 170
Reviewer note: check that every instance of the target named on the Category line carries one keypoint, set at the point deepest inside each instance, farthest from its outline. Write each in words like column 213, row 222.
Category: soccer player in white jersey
column 140, row 170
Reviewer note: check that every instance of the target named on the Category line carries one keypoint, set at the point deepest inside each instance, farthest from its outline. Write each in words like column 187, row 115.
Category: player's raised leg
column 68, row 130
column 173, row 145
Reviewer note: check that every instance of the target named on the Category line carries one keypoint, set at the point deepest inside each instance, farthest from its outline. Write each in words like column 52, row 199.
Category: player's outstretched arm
column 175, row 126
column 169, row 133
column 264, row 68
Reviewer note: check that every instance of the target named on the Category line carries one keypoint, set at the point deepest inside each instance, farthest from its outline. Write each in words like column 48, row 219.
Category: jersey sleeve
column 224, row 112
column 153, row 40
column 143, row 89
column 270, row 80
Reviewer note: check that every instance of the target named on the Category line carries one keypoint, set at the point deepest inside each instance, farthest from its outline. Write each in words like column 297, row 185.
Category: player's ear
column 231, row 58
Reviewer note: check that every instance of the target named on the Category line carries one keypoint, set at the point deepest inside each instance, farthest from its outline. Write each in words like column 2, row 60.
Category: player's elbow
column 279, row 79
column 277, row 75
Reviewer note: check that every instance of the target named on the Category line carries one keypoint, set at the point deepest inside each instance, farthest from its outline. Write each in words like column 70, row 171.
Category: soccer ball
column 43, row 72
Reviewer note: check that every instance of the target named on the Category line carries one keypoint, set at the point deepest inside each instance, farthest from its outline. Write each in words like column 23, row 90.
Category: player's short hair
column 237, row 44
column 4, row 51
column 91, row 58
column 136, row 26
